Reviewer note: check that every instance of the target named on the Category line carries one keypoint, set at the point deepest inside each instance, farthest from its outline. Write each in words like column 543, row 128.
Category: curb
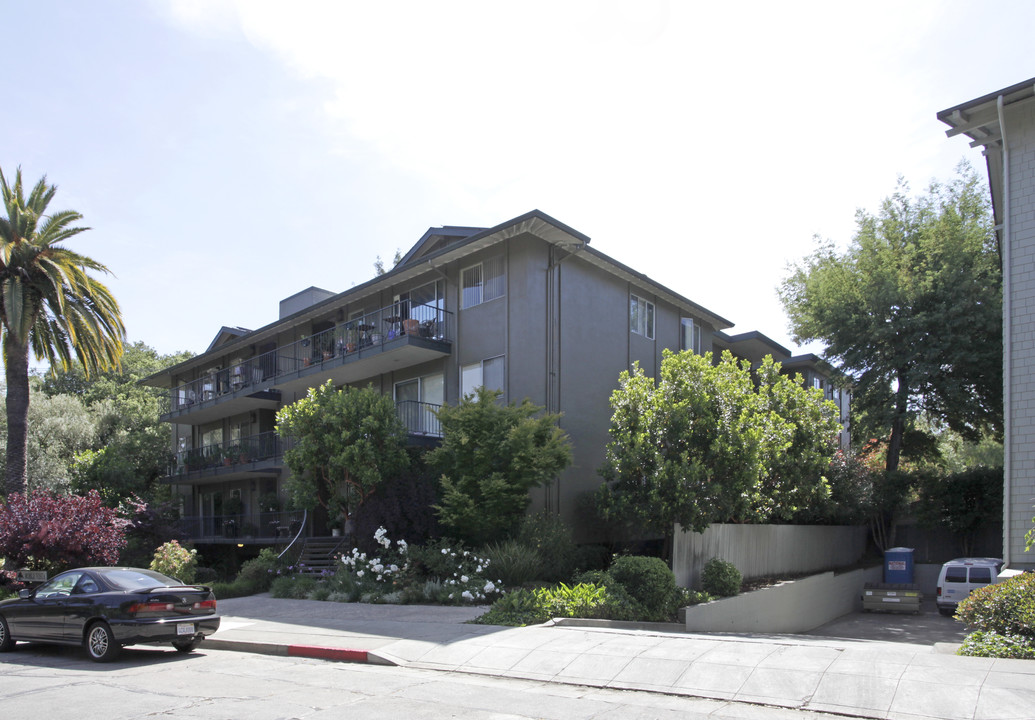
column 316, row 652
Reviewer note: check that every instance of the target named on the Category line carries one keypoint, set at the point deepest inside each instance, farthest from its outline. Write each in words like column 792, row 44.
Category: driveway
column 927, row 628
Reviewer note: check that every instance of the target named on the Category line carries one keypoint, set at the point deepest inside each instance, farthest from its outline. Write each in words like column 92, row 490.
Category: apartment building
column 1002, row 125
column 526, row 307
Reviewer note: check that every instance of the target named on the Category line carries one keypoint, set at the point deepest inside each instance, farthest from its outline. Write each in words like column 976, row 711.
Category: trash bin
column 898, row 566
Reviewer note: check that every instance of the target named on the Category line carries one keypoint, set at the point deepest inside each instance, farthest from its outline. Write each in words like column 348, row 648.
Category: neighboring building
column 526, row 307
column 1002, row 124
column 815, row 371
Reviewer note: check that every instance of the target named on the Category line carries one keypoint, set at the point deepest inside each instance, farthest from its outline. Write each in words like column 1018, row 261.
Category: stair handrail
column 301, row 529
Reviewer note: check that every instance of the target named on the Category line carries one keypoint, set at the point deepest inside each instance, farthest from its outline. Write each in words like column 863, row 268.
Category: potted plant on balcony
column 230, row 455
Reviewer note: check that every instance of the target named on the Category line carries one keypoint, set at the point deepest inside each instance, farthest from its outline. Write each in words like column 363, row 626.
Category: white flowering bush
column 438, row 573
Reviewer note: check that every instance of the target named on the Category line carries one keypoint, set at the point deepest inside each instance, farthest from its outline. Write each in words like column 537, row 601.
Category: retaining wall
column 790, row 607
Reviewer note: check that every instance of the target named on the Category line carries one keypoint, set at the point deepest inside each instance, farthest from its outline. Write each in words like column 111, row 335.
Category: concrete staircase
column 318, row 554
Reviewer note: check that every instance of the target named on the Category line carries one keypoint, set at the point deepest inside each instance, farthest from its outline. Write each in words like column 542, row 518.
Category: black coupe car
column 105, row 608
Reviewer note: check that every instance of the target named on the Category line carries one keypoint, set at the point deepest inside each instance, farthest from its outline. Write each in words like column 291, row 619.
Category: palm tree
column 49, row 303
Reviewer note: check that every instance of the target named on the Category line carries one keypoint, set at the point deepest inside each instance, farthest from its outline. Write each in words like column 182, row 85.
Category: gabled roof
column 437, row 238
column 225, row 335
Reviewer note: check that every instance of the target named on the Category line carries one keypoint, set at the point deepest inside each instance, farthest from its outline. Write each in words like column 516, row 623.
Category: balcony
column 260, row 455
column 269, row 527
column 250, row 457
column 395, row 337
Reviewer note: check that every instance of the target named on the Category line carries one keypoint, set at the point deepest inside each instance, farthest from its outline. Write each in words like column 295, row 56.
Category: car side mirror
column 25, row 594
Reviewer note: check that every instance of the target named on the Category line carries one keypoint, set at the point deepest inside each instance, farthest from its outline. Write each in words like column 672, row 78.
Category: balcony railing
column 253, row 448
column 374, row 329
column 231, row 528
column 420, row 418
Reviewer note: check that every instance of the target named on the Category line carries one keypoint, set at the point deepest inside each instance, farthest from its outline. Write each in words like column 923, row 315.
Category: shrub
column 548, row 535
column 42, row 530
column 402, row 505
column 396, row 571
column 260, row 571
column 205, row 575
column 296, row 587
column 176, row 561
column 648, row 580
column 491, row 455
column 255, row 576
column 514, row 562
column 537, row 605
column 1006, row 608
column 992, row 644
column 721, row 578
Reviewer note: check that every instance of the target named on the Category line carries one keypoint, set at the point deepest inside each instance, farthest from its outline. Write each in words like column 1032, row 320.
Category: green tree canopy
column 911, row 311
column 491, row 455
column 131, row 449
column 344, row 444
column 714, row 442
column 49, row 302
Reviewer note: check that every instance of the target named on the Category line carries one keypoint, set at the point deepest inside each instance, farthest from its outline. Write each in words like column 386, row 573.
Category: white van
column 958, row 577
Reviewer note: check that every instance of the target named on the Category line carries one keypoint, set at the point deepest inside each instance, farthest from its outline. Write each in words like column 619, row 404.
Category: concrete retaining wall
column 766, row 550
column 793, row 606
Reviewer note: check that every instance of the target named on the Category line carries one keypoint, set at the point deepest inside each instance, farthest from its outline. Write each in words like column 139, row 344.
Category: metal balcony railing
column 374, row 329
column 259, row 525
column 420, row 418
column 253, row 448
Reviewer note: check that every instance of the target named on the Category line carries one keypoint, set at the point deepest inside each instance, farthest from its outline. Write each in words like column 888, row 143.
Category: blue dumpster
column 898, row 566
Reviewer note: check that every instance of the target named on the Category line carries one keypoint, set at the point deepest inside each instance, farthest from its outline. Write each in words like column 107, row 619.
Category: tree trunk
column 16, row 362
column 898, row 423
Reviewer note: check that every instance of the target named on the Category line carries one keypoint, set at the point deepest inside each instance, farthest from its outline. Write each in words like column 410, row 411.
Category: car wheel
column 185, row 646
column 100, row 643
column 6, row 643
column 946, row 611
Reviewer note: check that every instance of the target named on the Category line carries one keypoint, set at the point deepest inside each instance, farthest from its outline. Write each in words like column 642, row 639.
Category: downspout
column 1007, row 351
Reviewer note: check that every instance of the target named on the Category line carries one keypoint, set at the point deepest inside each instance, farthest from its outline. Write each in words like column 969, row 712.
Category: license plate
column 185, row 629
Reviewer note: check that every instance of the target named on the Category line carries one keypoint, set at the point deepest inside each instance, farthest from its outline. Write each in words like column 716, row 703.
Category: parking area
column 927, row 628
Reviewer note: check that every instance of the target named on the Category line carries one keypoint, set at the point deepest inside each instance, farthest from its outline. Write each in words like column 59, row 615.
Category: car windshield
column 137, row 579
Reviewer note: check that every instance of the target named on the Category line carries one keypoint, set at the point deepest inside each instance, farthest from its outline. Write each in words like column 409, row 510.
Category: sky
column 227, row 154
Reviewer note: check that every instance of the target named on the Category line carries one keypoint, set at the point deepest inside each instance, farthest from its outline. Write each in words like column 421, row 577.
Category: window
column 487, row 373
column 481, row 283
column 956, row 574
column 980, row 575
column 690, row 336
column 641, row 317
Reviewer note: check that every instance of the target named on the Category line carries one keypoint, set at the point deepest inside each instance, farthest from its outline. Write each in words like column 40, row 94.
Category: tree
column 48, row 302
column 345, row 443
column 491, row 455
column 712, row 443
column 42, row 530
column 58, row 428
column 964, row 503
column 911, row 312
column 132, row 448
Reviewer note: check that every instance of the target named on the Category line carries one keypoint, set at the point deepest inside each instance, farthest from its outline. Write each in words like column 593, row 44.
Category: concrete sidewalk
column 836, row 675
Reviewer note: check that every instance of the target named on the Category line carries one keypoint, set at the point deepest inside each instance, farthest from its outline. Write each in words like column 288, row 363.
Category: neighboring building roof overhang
column 978, row 119
column 753, row 345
